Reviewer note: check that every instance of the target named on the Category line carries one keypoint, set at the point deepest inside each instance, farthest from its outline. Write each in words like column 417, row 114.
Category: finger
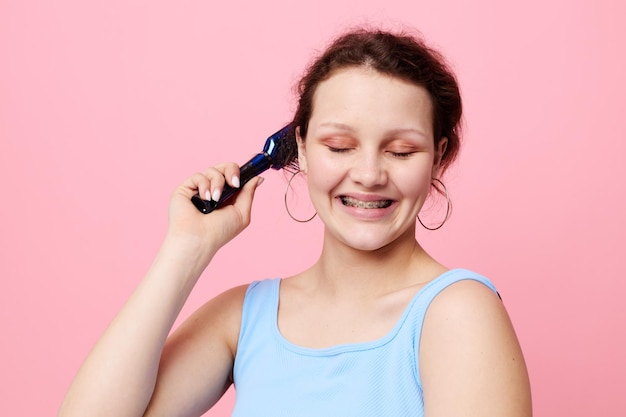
column 206, row 183
column 221, row 173
column 231, row 174
column 243, row 201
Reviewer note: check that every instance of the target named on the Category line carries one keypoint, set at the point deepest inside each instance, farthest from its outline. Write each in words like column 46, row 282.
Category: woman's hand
column 213, row 230
column 129, row 351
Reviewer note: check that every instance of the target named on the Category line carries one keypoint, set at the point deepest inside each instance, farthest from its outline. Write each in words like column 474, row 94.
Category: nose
column 368, row 169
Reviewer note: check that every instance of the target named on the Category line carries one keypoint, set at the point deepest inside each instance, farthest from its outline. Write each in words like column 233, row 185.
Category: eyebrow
column 393, row 132
column 337, row 125
column 419, row 132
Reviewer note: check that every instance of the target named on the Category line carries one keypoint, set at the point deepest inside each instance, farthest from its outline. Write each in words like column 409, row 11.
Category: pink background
column 105, row 106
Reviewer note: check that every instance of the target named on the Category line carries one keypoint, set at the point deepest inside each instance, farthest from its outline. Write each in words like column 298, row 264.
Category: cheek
column 323, row 174
column 323, row 177
column 414, row 182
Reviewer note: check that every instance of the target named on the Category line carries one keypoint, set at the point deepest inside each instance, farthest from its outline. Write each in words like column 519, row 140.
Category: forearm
column 119, row 374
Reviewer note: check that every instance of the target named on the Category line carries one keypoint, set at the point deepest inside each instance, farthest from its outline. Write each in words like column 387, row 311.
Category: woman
column 376, row 326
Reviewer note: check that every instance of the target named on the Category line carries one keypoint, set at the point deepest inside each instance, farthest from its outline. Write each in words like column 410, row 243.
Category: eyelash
column 401, row 155
column 338, row 150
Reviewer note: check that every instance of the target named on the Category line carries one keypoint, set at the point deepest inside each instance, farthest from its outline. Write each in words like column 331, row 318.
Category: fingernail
column 261, row 179
column 216, row 195
column 207, row 196
column 235, row 181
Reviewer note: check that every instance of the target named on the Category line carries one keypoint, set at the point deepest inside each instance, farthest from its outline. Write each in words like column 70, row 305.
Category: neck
column 342, row 270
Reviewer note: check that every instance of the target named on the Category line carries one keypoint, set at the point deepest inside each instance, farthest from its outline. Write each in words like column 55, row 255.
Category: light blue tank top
column 276, row 378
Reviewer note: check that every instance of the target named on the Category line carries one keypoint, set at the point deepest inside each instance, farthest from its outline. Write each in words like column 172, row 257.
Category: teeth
column 352, row 202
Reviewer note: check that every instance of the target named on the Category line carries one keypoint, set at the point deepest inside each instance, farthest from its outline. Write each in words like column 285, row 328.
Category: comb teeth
column 285, row 152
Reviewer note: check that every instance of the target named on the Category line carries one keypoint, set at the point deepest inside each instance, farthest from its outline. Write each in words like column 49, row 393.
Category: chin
column 369, row 241
column 369, row 236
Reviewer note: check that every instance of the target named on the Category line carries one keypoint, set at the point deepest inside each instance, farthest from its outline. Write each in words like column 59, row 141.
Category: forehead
column 364, row 95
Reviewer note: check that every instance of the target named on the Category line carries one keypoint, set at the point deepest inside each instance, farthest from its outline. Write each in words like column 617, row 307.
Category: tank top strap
column 259, row 309
column 426, row 296
column 443, row 281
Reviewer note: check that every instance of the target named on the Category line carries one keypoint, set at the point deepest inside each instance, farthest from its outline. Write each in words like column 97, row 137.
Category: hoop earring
column 445, row 190
column 287, row 206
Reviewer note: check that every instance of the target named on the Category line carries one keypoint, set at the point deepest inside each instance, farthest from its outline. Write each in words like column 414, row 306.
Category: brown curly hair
column 398, row 55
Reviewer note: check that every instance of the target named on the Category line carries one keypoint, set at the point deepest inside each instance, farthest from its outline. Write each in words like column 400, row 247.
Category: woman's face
column 369, row 156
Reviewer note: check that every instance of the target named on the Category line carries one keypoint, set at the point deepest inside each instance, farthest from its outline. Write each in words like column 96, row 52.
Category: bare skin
column 369, row 161
column 132, row 371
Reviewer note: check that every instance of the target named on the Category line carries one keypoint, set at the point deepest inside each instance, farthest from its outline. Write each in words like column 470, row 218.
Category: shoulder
column 220, row 316
column 466, row 311
column 196, row 363
column 469, row 354
column 214, row 327
column 467, row 299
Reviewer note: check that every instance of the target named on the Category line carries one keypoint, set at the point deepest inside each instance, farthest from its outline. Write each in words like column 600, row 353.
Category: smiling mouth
column 377, row 204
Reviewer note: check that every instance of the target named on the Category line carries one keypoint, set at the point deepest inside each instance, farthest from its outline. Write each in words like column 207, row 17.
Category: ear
column 441, row 149
column 301, row 150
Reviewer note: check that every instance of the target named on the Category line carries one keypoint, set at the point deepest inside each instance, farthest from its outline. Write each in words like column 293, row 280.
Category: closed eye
column 402, row 154
column 338, row 150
